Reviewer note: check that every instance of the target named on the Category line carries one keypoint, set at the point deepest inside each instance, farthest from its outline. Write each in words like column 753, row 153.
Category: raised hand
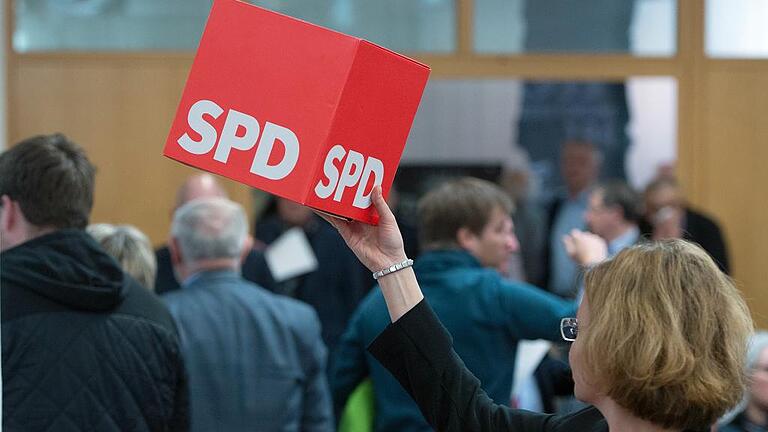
column 376, row 246
column 585, row 248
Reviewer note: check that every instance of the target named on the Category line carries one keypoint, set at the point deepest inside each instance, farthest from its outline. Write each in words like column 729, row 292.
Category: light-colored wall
column 652, row 126
column 465, row 122
column 475, row 122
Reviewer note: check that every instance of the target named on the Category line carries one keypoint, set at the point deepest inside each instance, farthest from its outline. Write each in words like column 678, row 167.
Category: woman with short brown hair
column 664, row 334
column 659, row 342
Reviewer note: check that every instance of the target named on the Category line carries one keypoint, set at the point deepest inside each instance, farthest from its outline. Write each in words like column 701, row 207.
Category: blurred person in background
column 667, row 215
column 753, row 415
column 580, row 167
column 205, row 185
column 526, row 264
column 255, row 359
column 130, row 247
column 613, row 214
column 338, row 283
column 85, row 347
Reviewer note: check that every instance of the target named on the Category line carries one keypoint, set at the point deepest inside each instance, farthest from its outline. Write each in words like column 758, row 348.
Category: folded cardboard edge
column 333, row 215
column 397, row 54
column 326, row 145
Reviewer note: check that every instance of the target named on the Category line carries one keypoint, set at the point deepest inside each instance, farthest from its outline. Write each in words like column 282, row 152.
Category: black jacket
column 702, row 229
column 418, row 351
column 85, row 347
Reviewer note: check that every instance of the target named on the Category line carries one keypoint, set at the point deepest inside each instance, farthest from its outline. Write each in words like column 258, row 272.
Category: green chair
column 359, row 411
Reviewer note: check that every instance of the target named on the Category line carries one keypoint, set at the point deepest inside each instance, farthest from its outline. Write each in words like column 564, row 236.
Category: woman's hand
column 376, row 246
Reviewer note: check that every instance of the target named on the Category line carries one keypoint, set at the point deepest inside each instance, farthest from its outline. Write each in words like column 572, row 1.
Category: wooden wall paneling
column 735, row 135
column 542, row 66
column 690, row 51
column 120, row 112
column 465, row 26
column 119, row 107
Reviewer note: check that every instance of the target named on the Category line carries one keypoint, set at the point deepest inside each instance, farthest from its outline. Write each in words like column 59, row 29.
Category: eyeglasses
column 569, row 329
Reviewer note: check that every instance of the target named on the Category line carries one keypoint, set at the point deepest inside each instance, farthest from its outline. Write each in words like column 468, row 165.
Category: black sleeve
column 418, row 351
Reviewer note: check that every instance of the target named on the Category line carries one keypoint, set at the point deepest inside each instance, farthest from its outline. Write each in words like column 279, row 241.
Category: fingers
column 327, row 218
column 570, row 245
column 339, row 224
column 575, row 233
column 568, row 242
column 578, row 237
column 385, row 214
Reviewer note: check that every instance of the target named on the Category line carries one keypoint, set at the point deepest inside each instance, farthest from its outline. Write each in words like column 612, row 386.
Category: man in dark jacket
column 85, row 347
column 580, row 163
column 667, row 215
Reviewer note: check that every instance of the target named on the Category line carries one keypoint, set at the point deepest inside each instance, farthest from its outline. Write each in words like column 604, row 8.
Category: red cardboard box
column 297, row 110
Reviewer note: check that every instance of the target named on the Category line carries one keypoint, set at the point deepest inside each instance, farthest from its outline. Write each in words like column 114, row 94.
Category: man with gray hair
column 255, row 360
column 204, row 185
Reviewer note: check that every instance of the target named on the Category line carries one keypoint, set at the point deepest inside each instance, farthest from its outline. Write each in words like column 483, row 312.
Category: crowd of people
column 101, row 332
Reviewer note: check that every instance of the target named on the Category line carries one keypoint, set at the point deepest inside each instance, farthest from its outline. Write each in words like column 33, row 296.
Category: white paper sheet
column 529, row 355
column 290, row 255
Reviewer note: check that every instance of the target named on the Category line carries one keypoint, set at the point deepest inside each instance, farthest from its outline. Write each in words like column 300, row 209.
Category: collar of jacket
column 202, row 278
column 66, row 266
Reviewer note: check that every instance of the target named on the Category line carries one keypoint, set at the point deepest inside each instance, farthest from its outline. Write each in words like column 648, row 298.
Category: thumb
column 570, row 247
column 385, row 214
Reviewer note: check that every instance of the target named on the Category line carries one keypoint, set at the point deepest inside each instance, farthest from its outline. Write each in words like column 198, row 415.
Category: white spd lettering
column 357, row 171
column 229, row 140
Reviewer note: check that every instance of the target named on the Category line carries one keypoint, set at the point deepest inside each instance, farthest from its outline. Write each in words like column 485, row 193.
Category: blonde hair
column 667, row 334
column 130, row 248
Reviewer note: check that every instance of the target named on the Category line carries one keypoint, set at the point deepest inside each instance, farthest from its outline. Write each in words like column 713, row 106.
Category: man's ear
column 618, row 211
column 9, row 218
column 173, row 247
column 466, row 238
column 247, row 246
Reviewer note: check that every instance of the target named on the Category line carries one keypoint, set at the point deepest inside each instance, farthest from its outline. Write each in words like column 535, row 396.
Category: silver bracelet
column 393, row 268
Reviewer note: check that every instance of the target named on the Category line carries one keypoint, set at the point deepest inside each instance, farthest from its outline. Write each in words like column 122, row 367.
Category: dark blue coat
column 255, row 360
